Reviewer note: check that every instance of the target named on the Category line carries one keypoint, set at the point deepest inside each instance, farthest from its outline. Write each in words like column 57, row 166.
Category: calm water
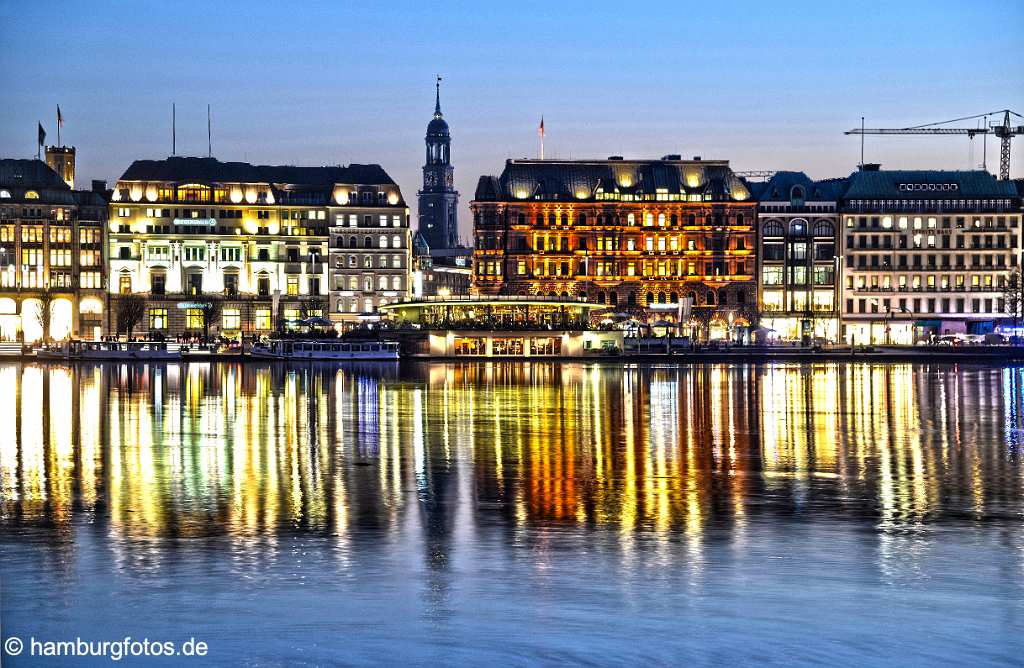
column 518, row 514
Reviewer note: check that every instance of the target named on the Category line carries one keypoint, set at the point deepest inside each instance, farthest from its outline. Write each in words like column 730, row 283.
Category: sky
column 767, row 86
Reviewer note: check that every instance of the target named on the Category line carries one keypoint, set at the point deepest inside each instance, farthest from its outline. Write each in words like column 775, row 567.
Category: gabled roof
column 211, row 170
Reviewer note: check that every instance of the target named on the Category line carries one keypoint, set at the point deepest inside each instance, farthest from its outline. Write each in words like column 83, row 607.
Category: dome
column 437, row 126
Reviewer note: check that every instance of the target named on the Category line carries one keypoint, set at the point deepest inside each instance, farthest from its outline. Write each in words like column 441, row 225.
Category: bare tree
column 1013, row 297
column 211, row 311
column 130, row 311
column 45, row 313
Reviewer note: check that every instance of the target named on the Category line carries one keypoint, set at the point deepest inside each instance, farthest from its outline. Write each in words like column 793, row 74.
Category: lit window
column 232, row 318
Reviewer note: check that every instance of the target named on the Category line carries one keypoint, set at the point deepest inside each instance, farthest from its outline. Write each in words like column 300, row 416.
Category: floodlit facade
column 51, row 253
column 926, row 253
column 262, row 243
column 798, row 258
column 630, row 234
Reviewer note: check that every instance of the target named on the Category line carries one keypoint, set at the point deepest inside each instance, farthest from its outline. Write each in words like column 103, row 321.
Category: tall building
column 51, row 255
column 266, row 246
column 797, row 224
column 926, row 253
column 627, row 233
column 439, row 201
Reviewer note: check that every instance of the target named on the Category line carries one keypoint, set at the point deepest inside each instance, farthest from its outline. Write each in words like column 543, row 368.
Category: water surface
column 518, row 513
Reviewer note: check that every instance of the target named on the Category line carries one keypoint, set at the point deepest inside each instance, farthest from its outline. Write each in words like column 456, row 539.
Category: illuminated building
column 631, row 234
column 504, row 327
column 51, row 251
column 438, row 201
column 797, row 220
column 445, row 272
column 926, row 253
column 61, row 159
column 268, row 245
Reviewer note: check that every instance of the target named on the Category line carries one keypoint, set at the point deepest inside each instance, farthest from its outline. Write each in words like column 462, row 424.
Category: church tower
column 438, row 201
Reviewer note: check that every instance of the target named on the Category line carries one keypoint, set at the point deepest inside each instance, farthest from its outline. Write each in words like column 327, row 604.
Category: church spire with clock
column 438, row 201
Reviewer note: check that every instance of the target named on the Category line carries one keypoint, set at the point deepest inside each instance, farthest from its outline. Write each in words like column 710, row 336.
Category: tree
column 130, row 311
column 1013, row 297
column 211, row 311
column 45, row 313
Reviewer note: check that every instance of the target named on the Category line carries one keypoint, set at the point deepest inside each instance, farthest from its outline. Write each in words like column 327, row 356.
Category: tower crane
column 1004, row 131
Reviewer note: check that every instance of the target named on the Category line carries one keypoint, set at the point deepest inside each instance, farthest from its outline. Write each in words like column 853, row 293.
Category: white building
column 926, row 253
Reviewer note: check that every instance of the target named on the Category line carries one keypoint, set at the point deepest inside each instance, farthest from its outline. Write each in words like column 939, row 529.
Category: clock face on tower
column 430, row 179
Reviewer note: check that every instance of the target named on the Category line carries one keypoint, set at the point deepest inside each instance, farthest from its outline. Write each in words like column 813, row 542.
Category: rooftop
column 612, row 178
column 927, row 184
column 210, row 170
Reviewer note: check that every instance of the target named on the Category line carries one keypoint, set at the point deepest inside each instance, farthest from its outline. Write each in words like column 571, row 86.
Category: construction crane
column 1004, row 131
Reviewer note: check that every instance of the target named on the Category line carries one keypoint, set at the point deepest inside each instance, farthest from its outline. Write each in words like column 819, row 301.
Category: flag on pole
column 42, row 135
column 540, row 130
column 60, row 118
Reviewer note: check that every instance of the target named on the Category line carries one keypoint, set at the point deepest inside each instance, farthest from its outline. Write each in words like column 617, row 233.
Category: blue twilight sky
column 767, row 85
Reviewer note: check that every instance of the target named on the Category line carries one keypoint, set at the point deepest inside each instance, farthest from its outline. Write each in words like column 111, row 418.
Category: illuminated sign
column 205, row 222
column 927, row 186
column 187, row 305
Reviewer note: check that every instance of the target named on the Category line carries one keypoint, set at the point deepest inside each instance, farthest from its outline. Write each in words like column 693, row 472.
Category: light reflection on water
column 546, row 512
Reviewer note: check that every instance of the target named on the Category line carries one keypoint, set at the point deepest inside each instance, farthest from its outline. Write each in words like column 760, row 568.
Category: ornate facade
column 51, row 255
column 626, row 233
column 268, row 246
column 798, row 292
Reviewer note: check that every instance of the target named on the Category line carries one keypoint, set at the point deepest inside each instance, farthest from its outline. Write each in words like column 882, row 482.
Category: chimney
column 99, row 186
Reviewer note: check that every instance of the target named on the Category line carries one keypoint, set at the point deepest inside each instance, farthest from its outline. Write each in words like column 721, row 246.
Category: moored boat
column 327, row 351
column 114, row 351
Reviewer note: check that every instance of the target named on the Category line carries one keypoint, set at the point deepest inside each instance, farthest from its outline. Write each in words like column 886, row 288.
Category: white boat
column 327, row 351
column 114, row 351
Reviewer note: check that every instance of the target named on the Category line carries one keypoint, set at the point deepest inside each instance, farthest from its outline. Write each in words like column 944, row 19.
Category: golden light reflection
column 249, row 452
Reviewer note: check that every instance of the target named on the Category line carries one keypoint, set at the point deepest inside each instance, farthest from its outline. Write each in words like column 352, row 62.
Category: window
column 194, row 285
column 124, row 285
column 230, row 254
column 771, row 276
column 396, row 241
column 158, row 284
column 195, row 253
column 261, row 319
column 231, row 284
column 232, row 319
column 772, row 228
column 823, row 228
column 194, row 318
column 158, row 318
column 396, row 283
column 293, row 285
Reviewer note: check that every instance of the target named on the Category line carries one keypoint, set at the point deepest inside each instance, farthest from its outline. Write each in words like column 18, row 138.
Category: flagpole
column 58, row 126
column 174, row 130
column 209, row 134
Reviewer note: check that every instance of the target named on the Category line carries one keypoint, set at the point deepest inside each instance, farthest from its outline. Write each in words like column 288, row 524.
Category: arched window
column 396, row 282
column 352, row 243
column 797, row 193
column 661, row 297
column 693, row 298
column 551, row 219
column 650, row 298
column 823, row 228
column 773, row 228
column 674, row 219
column 798, row 227
column 367, row 242
column 565, row 295
column 383, row 283
column 600, row 297
column 565, row 219
column 631, row 299
column 691, row 219
column 710, row 298
column 614, row 297
column 674, row 298
column 396, row 241
column 540, row 219
column 581, row 219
